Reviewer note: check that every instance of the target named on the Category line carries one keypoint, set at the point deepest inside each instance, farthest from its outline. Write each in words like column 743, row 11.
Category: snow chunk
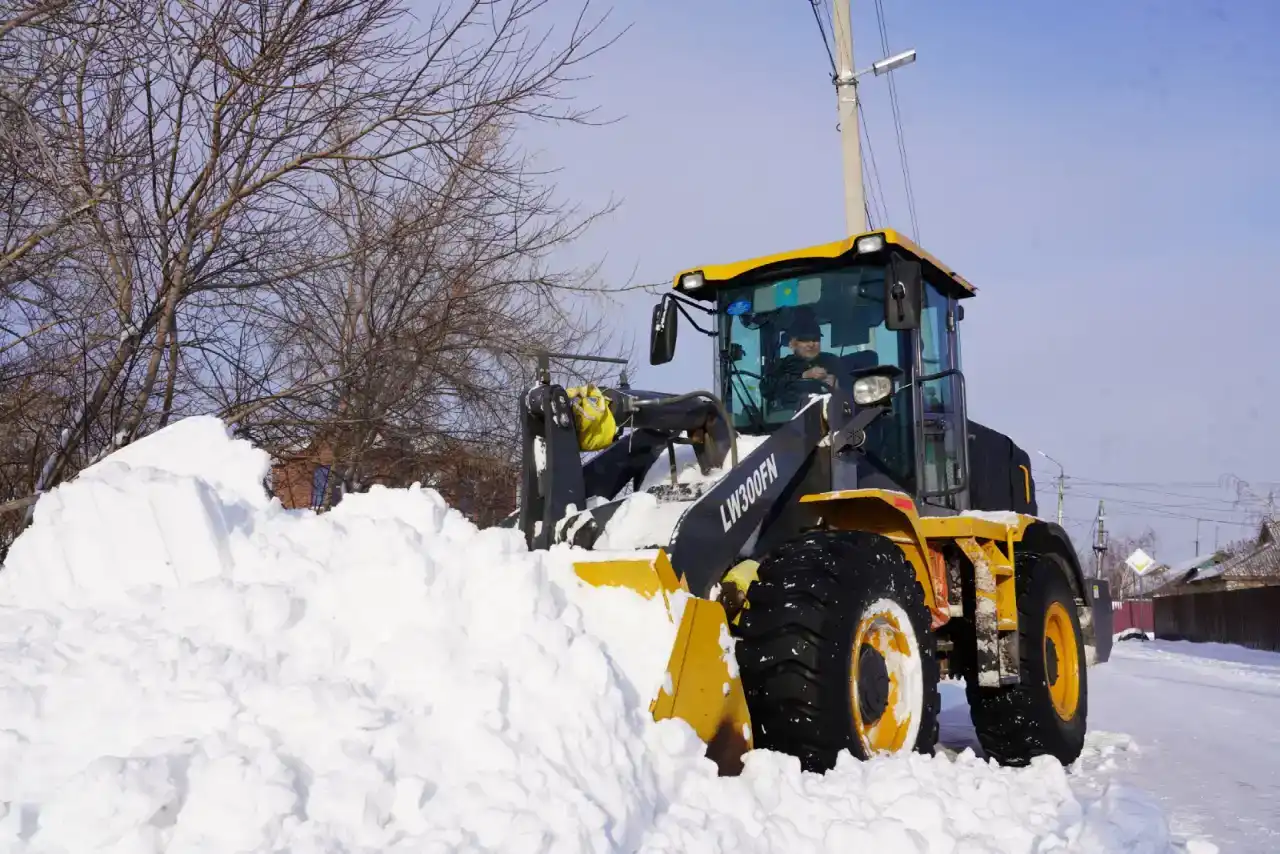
column 999, row 517
column 687, row 469
column 641, row 522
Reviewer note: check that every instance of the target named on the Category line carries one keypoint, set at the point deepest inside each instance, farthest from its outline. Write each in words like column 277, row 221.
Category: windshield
column 787, row 337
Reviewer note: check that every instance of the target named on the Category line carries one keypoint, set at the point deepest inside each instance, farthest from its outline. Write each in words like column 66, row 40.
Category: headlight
column 868, row 391
column 692, row 281
column 870, row 243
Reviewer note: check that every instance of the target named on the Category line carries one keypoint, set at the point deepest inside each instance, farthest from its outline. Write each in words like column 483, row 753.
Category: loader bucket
column 701, row 684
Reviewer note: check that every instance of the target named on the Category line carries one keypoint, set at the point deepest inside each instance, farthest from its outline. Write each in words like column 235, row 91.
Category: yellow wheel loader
column 849, row 537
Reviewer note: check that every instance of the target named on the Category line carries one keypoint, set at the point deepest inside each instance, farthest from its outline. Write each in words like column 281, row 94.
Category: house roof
column 1197, row 562
column 1262, row 561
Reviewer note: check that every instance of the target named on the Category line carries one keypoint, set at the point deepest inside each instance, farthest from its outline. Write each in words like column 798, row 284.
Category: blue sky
column 1107, row 174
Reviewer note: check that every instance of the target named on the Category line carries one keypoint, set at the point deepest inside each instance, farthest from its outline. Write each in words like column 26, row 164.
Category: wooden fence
column 1245, row 617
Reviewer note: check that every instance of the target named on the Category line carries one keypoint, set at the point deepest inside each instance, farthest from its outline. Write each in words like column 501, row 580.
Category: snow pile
column 687, row 469
column 1105, row 751
column 186, row 666
column 642, row 521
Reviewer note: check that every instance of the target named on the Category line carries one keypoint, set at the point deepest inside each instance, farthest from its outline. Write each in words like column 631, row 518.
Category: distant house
column 474, row 480
column 302, row 477
column 1170, row 578
column 1256, row 567
column 1233, row 600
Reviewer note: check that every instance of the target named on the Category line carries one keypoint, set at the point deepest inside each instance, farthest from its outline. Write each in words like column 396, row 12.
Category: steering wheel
column 810, row 385
column 794, row 391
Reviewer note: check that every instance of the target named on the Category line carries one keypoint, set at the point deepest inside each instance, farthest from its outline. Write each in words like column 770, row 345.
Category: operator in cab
column 808, row 361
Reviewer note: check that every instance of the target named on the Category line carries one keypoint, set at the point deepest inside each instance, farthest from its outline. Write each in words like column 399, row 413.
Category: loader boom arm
column 555, row 484
column 713, row 533
column 752, row 505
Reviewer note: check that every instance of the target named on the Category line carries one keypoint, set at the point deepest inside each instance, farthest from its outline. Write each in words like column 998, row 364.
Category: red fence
column 1133, row 614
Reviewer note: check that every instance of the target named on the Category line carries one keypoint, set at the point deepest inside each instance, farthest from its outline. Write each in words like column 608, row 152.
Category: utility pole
column 1197, row 538
column 855, row 204
column 846, row 80
column 1100, row 541
column 1062, row 479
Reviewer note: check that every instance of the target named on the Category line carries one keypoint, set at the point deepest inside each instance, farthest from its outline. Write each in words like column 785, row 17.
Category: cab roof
column 715, row 274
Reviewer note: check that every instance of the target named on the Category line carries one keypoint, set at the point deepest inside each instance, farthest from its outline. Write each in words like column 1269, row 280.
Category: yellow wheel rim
column 884, row 681
column 1061, row 655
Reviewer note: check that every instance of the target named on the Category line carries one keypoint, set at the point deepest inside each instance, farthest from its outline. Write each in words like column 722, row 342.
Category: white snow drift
column 185, row 666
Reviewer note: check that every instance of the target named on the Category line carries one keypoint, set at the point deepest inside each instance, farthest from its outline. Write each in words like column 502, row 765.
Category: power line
column 1194, row 502
column 1161, row 485
column 1217, row 505
column 822, row 31
column 875, row 170
column 1163, row 511
column 1157, row 488
column 1167, row 511
column 1185, row 511
column 897, row 125
column 1200, row 509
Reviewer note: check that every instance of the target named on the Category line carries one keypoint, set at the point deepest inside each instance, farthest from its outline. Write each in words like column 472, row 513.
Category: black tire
column 795, row 641
column 1016, row 723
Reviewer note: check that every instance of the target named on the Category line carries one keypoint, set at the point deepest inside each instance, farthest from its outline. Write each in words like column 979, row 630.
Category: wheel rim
column 885, row 680
column 1061, row 661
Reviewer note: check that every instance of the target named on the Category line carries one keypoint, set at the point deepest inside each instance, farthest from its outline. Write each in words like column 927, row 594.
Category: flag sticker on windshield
column 737, row 307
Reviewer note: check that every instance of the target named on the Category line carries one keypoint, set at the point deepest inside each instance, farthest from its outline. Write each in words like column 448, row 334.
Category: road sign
column 1140, row 562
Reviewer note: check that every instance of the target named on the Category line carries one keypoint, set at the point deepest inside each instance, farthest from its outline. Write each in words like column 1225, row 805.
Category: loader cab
column 875, row 303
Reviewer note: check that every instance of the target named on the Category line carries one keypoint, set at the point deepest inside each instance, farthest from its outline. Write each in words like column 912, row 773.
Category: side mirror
column 903, row 289
column 662, row 332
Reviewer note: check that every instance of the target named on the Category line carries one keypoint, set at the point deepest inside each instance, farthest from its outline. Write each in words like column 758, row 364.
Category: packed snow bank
column 642, row 521
column 186, row 666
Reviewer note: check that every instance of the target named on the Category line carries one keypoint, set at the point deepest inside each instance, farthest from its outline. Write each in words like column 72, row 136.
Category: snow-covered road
column 1206, row 718
column 1201, row 733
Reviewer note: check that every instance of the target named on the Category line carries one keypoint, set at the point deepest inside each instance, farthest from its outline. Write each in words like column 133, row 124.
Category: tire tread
column 792, row 648
column 1012, row 723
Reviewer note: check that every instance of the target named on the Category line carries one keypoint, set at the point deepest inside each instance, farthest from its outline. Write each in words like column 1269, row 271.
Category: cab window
column 840, row 314
column 941, row 421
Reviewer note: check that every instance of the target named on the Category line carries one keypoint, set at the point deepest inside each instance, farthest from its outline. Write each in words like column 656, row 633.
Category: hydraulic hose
column 705, row 395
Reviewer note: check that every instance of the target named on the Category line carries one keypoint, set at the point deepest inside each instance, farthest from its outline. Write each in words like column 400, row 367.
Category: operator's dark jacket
column 777, row 384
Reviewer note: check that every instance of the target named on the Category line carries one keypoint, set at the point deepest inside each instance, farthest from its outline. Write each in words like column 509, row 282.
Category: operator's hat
column 803, row 325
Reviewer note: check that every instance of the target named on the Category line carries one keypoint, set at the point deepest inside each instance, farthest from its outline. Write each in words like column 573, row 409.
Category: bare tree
column 430, row 324
column 41, row 200
column 203, row 178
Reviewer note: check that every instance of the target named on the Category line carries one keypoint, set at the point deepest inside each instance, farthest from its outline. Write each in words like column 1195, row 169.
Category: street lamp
column 1061, row 480
column 846, row 80
column 889, row 63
